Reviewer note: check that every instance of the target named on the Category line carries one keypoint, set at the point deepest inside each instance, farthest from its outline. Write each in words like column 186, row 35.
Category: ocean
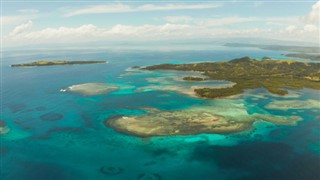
column 62, row 135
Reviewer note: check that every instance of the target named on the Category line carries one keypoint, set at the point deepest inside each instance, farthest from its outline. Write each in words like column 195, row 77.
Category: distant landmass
column 300, row 49
column 247, row 73
column 55, row 63
column 193, row 78
column 314, row 57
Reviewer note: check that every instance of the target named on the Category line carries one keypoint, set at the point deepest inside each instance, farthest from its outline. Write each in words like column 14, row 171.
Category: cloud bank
column 295, row 28
column 122, row 8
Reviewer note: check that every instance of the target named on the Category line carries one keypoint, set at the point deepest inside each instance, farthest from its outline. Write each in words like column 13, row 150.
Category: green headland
column 274, row 75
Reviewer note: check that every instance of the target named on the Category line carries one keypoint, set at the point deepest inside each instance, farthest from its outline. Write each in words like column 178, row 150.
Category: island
column 55, row 63
column 300, row 49
column 314, row 57
column 193, row 78
column 274, row 75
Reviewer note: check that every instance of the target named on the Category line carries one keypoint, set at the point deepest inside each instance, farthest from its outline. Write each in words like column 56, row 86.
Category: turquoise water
column 74, row 143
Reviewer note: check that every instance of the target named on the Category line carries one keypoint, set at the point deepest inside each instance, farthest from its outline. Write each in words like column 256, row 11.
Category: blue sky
column 36, row 22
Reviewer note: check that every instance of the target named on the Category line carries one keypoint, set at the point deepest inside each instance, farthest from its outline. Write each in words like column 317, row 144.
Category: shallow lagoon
column 78, row 144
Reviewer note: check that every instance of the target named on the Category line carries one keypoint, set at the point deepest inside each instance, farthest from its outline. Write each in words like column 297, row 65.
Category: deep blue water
column 78, row 144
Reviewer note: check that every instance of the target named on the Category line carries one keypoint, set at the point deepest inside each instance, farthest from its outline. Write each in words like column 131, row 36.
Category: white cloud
column 304, row 28
column 28, row 11
column 26, row 14
column 151, row 7
column 14, row 20
column 290, row 28
column 282, row 21
column 61, row 33
column 222, row 21
column 9, row 19
column 6, row 20
column 21, row 28
column 311, row 28
column 314, row 15
column 122, row 8
column 177, row 19
column 117, row 8
column 227, row 21
column 91, row 32
column 175, row 27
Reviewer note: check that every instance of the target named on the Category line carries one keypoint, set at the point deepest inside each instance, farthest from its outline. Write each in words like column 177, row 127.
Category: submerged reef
column 90, row 89
column 177, row 123
column 111, row 170
column 3, row 127
column 293, row 104
column 175, row 84
column 149, row 176
column 195, row 120
column 279, row 120
column 51, row 117
column 247, row 73
column 54, row 63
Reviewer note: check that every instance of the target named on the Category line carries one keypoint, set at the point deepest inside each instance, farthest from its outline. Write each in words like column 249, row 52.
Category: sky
column 43, row 22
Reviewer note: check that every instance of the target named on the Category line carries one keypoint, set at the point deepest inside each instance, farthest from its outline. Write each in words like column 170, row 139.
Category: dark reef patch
column 150, row 163
column 279, row 133
column 149, row 176
column 261, row 160
column 51, row 116
column 14, row 108
column 40, row 108
column 111, row 170
column 163, row 152
column 2, row 123
column 88, row 120
column 3, row 151
column 48, row 134
column 40, row 171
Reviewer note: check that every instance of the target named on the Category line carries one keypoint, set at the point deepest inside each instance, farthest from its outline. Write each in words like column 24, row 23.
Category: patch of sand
column 90, row 89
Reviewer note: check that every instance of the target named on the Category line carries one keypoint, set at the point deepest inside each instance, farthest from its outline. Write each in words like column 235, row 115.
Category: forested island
column 193, row 78
column 300, row 49
column 54, row 63
column 274, row 75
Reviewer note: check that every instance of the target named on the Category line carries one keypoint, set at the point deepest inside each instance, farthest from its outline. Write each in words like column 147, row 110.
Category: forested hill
column 252, row 73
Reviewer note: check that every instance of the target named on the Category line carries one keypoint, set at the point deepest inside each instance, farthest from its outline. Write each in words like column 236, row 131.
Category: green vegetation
column 135, row 67
column 301, row 49
column 314, row 57
column 193, row 78
column 54, row 63
column 247, row 73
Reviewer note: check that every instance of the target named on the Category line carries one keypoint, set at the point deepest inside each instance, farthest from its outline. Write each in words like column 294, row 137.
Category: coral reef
column 90, row 89
column 51, row 116
column 293, row 104
column 111, row 170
